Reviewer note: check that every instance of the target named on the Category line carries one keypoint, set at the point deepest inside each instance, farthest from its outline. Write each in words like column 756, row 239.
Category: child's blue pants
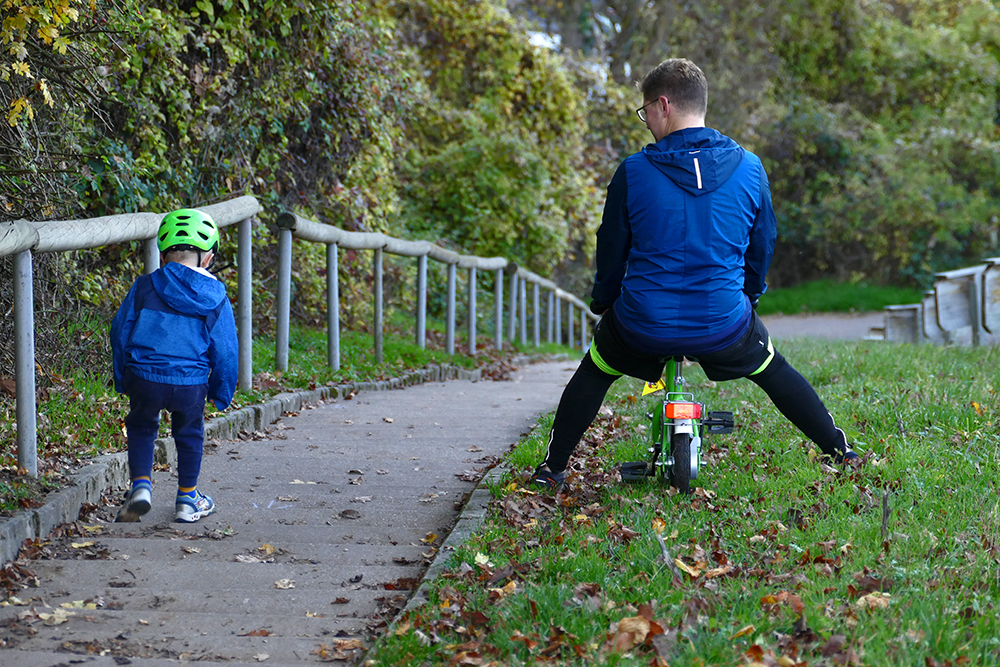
column 186, row 405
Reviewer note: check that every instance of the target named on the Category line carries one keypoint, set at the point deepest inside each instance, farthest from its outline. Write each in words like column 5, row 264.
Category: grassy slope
column 778, row 559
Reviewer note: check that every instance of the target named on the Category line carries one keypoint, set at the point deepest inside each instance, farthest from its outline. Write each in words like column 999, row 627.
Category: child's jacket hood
column 187, row 289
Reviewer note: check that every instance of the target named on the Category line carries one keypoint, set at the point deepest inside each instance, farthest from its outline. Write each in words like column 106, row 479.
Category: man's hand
column 598, row 308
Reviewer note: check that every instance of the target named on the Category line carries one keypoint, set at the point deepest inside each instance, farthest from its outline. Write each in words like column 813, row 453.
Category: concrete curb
column 110, row 471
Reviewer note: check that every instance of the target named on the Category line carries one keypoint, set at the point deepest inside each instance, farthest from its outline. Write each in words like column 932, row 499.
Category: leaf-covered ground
column 775, row 559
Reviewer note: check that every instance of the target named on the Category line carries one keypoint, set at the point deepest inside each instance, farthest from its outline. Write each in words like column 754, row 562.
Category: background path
column 824, row 325
column 324, row 525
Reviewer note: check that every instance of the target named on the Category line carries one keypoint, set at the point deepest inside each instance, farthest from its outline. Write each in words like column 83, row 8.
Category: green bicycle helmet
column 188, row 228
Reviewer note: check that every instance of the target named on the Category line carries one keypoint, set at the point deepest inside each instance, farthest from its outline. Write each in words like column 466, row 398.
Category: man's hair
column 680, row 81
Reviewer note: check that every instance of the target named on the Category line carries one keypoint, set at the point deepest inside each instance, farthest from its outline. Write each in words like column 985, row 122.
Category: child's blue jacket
column 176, row 326
column 685, row 243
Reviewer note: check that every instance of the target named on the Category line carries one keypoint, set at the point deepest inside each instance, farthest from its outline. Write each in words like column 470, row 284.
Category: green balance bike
column 679, row 424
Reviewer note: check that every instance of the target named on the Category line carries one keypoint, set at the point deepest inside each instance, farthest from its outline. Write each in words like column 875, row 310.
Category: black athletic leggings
column 788, row 390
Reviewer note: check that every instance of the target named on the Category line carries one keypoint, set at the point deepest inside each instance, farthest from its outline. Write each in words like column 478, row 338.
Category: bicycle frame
column 678, row 427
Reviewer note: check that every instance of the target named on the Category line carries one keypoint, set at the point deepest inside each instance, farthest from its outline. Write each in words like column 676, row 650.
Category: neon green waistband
column 599, row 361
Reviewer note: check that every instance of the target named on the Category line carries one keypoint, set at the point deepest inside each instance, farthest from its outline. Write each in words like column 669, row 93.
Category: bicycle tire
column 680, row 472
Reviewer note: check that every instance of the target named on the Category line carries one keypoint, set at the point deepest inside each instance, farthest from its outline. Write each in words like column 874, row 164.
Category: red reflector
column 683, row 410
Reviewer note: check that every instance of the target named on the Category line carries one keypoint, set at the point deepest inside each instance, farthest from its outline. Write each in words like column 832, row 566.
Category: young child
column 174, row 345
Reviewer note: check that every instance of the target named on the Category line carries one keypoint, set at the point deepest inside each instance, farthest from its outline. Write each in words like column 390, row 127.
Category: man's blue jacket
column 685, row 242
column 176, row 326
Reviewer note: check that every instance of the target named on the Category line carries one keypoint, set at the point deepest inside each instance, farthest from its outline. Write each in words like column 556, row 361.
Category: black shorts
column 750, row 355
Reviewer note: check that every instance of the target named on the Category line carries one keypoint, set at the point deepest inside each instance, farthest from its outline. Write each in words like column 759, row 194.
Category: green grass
column 825, row 296
column 786, row 560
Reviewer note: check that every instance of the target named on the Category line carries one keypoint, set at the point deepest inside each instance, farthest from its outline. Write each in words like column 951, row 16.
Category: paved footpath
column 324, row 528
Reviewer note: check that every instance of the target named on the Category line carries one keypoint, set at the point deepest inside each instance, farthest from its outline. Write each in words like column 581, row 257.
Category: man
column 683, row 248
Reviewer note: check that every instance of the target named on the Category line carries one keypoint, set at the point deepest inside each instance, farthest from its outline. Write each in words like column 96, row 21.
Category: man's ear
column 206, row 259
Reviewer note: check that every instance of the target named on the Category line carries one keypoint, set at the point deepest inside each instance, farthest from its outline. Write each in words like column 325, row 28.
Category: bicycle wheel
column 680, row 472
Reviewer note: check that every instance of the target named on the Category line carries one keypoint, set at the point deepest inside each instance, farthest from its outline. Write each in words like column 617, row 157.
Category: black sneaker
column 546, row 480
column 847, row 456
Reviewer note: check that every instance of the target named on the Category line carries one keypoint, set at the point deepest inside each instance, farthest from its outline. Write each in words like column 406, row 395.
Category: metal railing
column 22, row 238
column 292, row 226
column 963, row 306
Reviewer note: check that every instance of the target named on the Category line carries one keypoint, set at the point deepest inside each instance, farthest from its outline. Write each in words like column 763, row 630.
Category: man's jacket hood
column 699, row 160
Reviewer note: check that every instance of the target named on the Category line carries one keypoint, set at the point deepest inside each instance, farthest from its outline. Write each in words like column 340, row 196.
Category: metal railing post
column 422, row 301
column 377, row 289
column 244, row 303
column 24, row 363
column 472, row 311
column 512, row 309
column 498, row 309
column 333, row 306
column 558, row 315
column 583, row 329
column 571, row 342
column 550, row 316
column 450, row 324
column 536, row 320
column 522, row 307
column 150, row 255
column 284, row 297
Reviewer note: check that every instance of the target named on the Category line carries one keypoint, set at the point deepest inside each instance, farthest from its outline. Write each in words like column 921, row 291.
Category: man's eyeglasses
column 641, row 111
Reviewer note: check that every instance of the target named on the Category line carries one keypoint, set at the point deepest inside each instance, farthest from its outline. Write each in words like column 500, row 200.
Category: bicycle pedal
column 719, row 422
column 635, row 471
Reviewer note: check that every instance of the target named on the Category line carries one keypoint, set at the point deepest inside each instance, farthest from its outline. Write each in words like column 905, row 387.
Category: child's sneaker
column 191, row 508
column 137, row 503
column 546, row 480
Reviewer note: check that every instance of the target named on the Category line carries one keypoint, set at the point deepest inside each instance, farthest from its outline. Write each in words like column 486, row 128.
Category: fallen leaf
column 82, row 545
column 693, row 571
column 240, row 558
column 299, row 481
column 266, row 549
column 78, row 604
column 744, row 631
column 718, row 571
column 387, row 420
column 284, row 584
column 430, row 538
column 57, row 617
column 191, row 550
column 260, row 632
column 874, row 600
column 261, row 657
column 637, row 625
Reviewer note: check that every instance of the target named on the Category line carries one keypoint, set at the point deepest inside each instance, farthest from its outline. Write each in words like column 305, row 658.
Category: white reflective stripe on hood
column 697, row 172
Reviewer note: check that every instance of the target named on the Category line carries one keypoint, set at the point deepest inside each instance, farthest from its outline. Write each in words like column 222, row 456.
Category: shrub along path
column 325, row 525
